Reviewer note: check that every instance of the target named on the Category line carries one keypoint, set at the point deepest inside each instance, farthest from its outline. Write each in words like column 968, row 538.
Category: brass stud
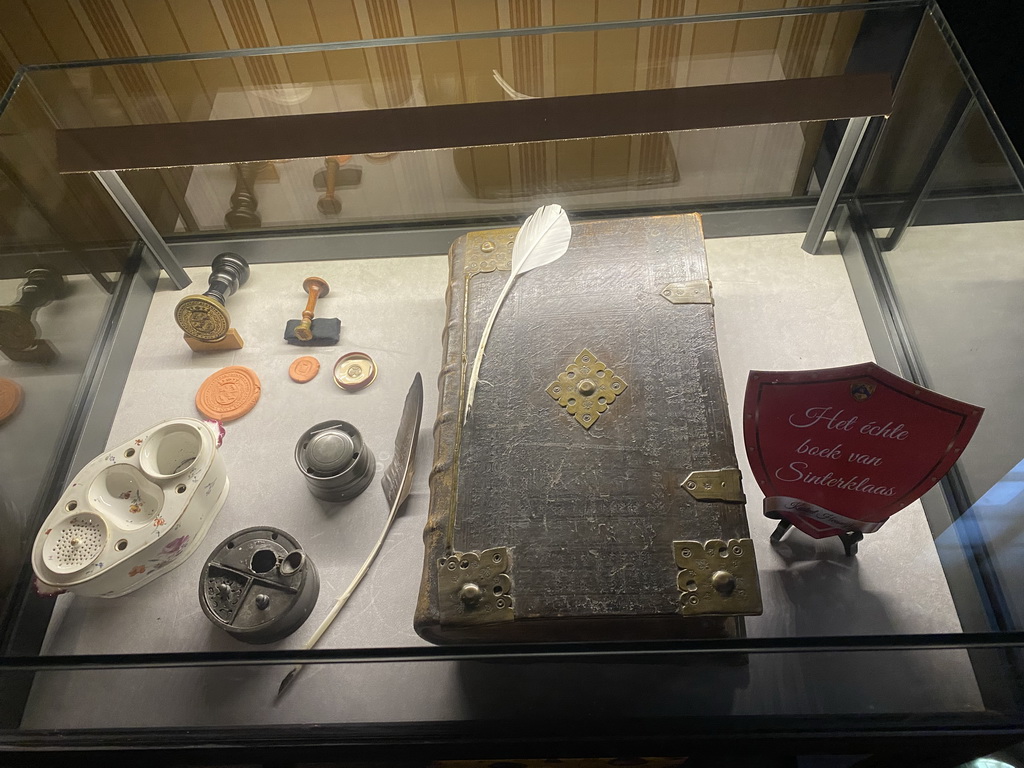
column 470, row 594
column 723, row 582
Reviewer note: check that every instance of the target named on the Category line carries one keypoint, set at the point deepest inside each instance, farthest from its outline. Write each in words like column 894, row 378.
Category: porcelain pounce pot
column 134, row 512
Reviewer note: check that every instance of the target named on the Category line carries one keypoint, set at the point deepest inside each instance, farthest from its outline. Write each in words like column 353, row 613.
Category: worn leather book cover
column 593, row 491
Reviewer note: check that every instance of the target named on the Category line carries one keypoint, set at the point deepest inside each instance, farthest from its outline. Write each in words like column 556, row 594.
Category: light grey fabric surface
column 776, row 308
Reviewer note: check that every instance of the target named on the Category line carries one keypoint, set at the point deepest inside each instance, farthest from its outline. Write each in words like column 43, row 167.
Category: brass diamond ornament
column 586, row 388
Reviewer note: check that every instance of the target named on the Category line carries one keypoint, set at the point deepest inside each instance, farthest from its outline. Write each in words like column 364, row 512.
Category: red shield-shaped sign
column 842, row 449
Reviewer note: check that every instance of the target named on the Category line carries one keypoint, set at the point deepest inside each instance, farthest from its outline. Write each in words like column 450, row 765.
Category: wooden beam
column 467, row 125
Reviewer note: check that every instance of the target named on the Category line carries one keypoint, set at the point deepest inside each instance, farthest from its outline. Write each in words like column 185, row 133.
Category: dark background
column 991, row 32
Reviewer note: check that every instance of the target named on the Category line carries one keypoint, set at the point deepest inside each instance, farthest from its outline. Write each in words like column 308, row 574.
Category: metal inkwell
column 258, row 585
column 337, row 464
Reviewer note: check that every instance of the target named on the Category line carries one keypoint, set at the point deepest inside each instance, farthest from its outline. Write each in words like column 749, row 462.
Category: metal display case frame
column 867, row 223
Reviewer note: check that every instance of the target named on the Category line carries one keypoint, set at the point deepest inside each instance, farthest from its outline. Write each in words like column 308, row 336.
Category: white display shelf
column 776, row 308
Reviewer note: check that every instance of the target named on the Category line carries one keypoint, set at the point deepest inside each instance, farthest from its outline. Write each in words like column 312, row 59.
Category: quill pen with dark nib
column 397, row 483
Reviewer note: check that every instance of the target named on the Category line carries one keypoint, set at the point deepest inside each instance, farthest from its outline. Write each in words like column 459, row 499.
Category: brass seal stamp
column 202, row 318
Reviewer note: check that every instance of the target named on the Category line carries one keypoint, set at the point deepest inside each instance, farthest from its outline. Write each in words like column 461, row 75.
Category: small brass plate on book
column 715, row 485
column 717, row 578
column 586, row 388
column 489, row 250
column 690, row 292
column 475, row 587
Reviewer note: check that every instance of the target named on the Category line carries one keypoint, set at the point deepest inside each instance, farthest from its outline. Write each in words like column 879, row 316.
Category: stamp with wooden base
column 313, row 331
column 231, row 341
column 335, row 173
column 19, row 334
column 204, row 318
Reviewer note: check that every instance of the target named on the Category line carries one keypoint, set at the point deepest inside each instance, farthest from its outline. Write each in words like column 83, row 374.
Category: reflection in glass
column 680, row 168
column 63, row 246
column 20, row 336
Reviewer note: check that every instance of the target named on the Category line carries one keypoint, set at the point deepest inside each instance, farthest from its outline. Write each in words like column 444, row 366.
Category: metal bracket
column 122, row 196
column 833, row 186
column 475, row 587
column 850, row 540
column 690, row 292
column 489, row 250
column 717, row 578
column 952, row 128
column 586, row 388
column 715, row 485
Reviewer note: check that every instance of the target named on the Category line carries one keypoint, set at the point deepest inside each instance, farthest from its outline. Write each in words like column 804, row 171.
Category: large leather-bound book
column 593, row 492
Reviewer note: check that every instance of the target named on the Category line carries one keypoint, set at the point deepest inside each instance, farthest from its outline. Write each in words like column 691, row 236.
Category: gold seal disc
column 354, row 371
column 202, row 318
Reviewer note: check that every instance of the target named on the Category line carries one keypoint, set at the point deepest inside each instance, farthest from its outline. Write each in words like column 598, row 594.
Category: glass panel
column 454, row 71
column 63, row 248
column 954, row 271
column 864, row 686
column 933, row 573
column 682, row 168
column 946, row 205
column 935, row 142
column 604, row 173
column 958, row 286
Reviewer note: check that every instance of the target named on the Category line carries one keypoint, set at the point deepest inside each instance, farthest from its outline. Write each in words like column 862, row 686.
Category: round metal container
column 355, row 371
column 337, row 464
column 258, row 585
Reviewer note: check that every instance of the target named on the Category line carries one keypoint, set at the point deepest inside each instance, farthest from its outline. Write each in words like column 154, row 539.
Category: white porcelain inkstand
column 134, row 512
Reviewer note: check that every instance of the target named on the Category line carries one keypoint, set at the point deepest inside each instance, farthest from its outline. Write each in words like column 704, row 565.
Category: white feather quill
column 543, row 238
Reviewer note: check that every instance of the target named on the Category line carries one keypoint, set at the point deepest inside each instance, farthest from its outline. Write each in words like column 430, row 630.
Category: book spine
column 446, row 430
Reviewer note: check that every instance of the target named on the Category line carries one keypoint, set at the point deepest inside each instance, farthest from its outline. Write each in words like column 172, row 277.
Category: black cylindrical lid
column 258, row 585
column 337, row 464
column 330, row 451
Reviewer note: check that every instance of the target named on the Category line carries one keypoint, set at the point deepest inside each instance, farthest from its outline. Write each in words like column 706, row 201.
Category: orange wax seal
column 229, row 393
column 10, row 398
column 304, row 369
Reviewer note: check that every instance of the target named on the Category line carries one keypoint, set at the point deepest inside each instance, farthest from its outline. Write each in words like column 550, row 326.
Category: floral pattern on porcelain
column 136, row 501
column 173, row 529
column 220, row 430
column 176, row 547
column 170, row 552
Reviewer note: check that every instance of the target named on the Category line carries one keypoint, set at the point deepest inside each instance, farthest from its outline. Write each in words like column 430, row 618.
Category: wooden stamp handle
column 314, row 286
column 331, row 164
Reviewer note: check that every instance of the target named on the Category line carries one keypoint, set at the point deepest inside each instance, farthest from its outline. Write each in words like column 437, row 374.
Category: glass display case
column 858, row 202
